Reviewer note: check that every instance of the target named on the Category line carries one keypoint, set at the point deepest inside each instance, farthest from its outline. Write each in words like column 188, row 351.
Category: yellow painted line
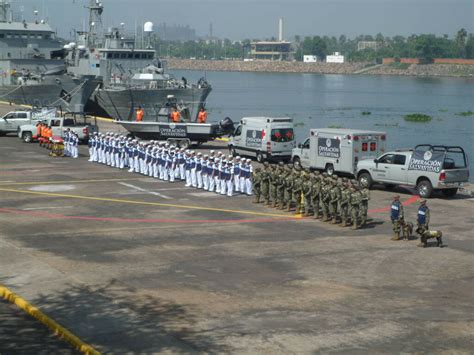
column 63, row 182
column 58, row 329
column 104, row 119
column 144, row 203
column 223, row 139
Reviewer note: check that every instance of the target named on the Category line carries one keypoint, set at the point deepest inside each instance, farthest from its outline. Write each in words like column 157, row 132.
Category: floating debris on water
column 299, row 124
column 386, row 124
column 366, row 113
column 465, row 113
column 418, row 117
column 335, row 126
column 443, row 110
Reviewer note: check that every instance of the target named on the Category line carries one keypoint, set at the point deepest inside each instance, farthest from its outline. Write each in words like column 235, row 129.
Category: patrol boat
column 182, row 134
column 131, row 74
column 32, row 67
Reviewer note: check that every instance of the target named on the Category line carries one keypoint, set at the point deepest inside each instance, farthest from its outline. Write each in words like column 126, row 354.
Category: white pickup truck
column 79, row 123
column 11, row 121
column 427, row 168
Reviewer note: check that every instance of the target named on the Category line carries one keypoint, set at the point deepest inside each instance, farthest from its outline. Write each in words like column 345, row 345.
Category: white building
column 335, row 58
column 310, row 59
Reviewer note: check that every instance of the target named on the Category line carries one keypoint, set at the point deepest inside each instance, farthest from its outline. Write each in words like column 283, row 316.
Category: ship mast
column 5, row 11
column 95, row 21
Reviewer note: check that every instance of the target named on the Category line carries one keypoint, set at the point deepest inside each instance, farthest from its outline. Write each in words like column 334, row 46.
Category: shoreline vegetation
column 359, row 68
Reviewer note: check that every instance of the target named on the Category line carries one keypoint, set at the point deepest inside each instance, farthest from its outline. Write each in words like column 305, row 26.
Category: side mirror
column 300, row 145
column 376, row 161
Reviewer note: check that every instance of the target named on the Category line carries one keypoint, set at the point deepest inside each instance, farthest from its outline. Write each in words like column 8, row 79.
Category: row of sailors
column 71, row 143
column 211, row 172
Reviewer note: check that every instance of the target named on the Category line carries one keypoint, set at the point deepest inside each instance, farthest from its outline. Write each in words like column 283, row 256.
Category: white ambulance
column 265, row 138
column 338, row 150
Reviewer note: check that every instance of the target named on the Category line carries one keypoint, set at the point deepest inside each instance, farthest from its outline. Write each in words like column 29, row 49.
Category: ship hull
column 71, row 94
column 121, row 104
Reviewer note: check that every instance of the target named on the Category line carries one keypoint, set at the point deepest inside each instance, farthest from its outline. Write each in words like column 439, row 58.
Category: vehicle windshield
column 69, row 122
column 282, row 135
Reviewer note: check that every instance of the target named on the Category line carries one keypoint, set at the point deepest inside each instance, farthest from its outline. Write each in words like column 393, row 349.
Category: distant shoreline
column 416, row 70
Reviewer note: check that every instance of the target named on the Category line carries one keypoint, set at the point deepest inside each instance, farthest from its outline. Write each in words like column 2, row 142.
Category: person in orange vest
column 202, row 116
column 175, row 116
column 139, row 114
column 38, row 131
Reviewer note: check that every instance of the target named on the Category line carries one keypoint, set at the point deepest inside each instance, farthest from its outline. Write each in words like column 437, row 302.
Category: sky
column 258, row 19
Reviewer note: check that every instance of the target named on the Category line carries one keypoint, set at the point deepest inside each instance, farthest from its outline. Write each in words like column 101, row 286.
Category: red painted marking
column 408, row 202
column 143, row 220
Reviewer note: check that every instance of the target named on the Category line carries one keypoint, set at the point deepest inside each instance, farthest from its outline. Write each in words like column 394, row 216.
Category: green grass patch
column 465, row 113
column 443, row 110
column 366, row 113
column 417, row 117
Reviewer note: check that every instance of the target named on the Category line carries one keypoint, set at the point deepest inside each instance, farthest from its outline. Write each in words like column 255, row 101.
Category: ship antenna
column 95, row 21
column 5, row 11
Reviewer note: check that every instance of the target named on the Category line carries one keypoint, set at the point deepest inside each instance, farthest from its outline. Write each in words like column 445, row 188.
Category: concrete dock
column 132, row 264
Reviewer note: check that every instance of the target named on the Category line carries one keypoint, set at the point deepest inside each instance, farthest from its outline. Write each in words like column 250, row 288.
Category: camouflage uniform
column 364, row 208
column 325, row 197
column 289, row 182
column 307, row 192
column 275, row 177
column 356, row 198
column 344, row 204
column 334, row 200
column 297, row 190
column 265, row 182
column 281, row 187
column 315, row 194
column 397, row 217
column 257, row 184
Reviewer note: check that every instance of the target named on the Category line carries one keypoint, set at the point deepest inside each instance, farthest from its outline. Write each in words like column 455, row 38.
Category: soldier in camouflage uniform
column 364, row 206
column 265, row 184
column 334, row 199
column 344, row 202
column 307, row 192
column 289, row 183
column 285, row 171
column 315, row 193
column 257, row 184
column 275, row 177
column 298, row 189
column 355, row 202
column 325, row 197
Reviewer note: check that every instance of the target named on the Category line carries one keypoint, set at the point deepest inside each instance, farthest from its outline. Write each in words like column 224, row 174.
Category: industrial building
column 272, row 50
column 335, row 58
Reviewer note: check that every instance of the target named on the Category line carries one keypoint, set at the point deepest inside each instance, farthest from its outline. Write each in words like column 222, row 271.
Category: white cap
column 249, row 160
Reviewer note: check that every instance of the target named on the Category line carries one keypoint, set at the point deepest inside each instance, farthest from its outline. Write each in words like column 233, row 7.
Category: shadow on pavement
column 115, row 319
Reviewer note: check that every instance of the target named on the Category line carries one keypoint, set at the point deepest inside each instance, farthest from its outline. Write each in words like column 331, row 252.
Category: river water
column 316, row 101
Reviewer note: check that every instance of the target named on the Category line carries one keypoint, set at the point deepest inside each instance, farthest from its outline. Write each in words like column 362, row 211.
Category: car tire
column 27, row 137
column 297, row 162
column 3, row 133
column 424, row 188
column 449, row 192
column 389, row 187
column 330, row 169
column 365, row 180
column 260, row 158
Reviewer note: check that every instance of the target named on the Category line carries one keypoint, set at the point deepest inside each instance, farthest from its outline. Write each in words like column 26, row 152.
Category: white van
column 338, row 150
column 265, row 138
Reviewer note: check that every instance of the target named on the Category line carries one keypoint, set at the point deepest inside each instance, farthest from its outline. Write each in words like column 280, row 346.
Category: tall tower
column 211, row 31
column 280, row 29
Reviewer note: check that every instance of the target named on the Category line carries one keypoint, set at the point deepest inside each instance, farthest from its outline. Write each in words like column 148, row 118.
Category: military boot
column 396, row 236
column 316, row 215
column 257, row 199
column 354, row 226
column 274, row 204
column 343, row 224
column 334, row 220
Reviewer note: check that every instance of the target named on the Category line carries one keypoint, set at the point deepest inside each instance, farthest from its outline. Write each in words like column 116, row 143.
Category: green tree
column 470, row 47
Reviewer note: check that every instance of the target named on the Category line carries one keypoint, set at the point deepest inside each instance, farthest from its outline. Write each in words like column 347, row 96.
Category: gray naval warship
column 32, row 66
column 131, row 75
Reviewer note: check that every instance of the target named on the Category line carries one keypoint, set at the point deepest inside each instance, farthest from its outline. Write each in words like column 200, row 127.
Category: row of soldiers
column 214, row 172
column 333, row 199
